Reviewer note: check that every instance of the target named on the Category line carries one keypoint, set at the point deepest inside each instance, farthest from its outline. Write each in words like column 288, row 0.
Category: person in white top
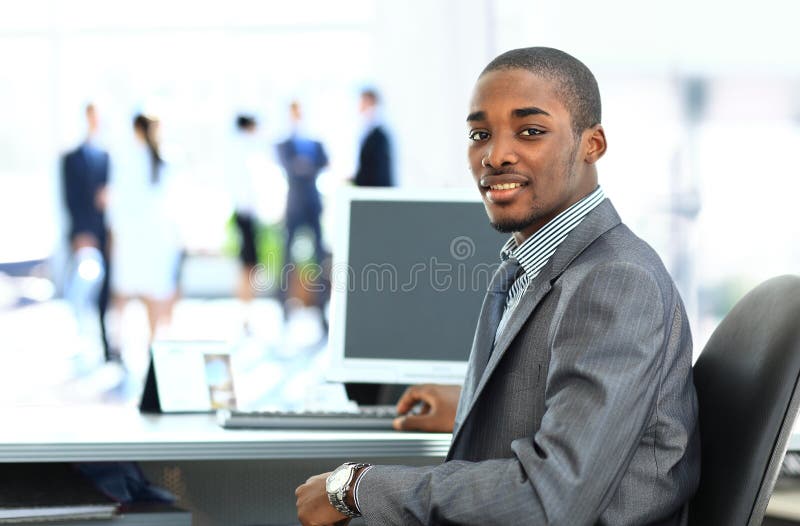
column 145, row 242
column 242, row 168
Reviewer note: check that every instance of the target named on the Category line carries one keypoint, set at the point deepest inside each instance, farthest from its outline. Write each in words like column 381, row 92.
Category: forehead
column 504, row 90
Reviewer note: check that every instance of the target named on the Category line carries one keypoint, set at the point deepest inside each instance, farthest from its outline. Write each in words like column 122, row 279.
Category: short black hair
column 245, row 122
column 575, row 85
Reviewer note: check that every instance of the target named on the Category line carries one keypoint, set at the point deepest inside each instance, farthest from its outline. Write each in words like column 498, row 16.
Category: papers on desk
column 49, row 492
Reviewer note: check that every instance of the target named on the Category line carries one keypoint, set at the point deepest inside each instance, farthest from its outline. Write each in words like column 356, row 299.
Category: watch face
column 337, row 479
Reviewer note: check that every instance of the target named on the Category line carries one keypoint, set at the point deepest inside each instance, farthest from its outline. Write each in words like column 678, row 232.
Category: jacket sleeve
column 607, row 353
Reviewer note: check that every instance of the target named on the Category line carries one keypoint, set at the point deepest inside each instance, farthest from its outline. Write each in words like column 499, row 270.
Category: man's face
column 92, row 120
column 523, row 153
column 295, row 112
column 366, row 105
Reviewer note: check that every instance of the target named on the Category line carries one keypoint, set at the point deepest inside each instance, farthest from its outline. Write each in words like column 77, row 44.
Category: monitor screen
column 409, row 276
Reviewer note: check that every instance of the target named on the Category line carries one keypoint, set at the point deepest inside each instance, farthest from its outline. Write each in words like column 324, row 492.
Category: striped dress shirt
column 534, row 253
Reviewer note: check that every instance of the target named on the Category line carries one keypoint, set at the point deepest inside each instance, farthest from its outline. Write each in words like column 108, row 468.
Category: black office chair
column 747, row 387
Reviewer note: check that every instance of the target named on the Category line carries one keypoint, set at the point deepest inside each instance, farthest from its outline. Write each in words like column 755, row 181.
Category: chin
column 505, row 224
column 506, row 227
column 508, row 223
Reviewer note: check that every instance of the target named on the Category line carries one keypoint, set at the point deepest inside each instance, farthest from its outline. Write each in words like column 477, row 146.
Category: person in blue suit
column 302, row 160
column 375, row 155
column 85, row 176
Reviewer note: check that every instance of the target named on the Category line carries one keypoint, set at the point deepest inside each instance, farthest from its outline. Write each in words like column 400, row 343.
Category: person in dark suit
column 375, row 156
column 302, row 160
column 84, row 178
column 578, row 406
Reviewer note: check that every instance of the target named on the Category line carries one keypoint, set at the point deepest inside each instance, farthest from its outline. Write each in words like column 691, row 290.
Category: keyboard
column 366, row 417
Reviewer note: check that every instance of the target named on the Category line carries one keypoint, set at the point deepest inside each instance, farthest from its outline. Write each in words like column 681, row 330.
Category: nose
column 499, row 152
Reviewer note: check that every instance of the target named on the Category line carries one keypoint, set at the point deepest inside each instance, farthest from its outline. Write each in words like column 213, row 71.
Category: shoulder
column 70, row 155
column 619, row 257
column 376, row 134
column 380, row 133
column 621, row 246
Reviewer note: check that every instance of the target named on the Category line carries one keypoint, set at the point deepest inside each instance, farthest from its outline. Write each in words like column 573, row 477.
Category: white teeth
column 506, row 186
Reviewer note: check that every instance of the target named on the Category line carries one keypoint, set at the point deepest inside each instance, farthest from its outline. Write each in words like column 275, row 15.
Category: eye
column 531, row 132
column 478, row 135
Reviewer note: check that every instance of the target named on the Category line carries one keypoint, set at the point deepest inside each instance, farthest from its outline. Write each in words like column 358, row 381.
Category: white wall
column 427, row 57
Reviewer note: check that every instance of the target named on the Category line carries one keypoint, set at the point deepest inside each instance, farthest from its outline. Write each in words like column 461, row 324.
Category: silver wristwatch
column 337, row 485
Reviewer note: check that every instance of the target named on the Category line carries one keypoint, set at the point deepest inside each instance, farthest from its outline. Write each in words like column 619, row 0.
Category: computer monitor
column 409, row 274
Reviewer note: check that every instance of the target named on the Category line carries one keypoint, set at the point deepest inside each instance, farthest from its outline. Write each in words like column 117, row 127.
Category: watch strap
column 337, row 498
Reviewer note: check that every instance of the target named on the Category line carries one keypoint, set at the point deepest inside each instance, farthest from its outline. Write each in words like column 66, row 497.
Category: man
column 302, row 160
column 375, row 156
column 578, row 407
column 85, row 176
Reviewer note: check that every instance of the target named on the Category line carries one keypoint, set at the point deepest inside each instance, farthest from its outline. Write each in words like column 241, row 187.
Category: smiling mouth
column 505, row 186
column 503, row 193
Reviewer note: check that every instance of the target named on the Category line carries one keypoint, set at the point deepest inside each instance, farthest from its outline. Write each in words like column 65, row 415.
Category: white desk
column 226, row 477
column 110, row 433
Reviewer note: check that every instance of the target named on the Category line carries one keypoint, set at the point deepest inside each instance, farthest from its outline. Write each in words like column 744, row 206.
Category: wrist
column 350, row 495
column 339, row 486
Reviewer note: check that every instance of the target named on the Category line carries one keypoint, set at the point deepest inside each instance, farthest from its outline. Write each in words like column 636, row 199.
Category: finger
column 408, row 399
column 413, row 395
column 412, row 423
column 421, row 408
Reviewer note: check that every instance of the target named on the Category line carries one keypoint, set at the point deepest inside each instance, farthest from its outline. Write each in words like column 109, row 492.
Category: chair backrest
column 747, row 388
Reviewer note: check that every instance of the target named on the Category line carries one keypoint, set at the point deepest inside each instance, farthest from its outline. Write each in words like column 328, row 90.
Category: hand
column 101, row 198
column 438, row 411
column 313, row 506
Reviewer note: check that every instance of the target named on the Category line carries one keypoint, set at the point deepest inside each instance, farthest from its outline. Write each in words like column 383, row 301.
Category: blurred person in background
column 242, row 172
column 302, row 160
column 145, row 243
column 375, row 155
column 84, row 174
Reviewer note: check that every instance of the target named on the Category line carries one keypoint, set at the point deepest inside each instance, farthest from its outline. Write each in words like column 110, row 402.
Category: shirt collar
column 534, row 252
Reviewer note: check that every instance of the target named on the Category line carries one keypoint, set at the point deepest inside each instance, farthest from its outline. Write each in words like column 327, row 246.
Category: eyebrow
column 526, row 112
column 518, row 113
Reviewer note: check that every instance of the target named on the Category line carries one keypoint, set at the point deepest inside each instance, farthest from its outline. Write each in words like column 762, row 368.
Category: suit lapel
column 478, row 356
column 479, row 371
column 527, row 303
column 596, row 223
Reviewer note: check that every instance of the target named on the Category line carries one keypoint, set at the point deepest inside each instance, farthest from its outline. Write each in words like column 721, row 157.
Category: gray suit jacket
column 584, row 414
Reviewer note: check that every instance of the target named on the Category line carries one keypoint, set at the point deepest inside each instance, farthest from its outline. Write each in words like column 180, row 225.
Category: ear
column 595, row 143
